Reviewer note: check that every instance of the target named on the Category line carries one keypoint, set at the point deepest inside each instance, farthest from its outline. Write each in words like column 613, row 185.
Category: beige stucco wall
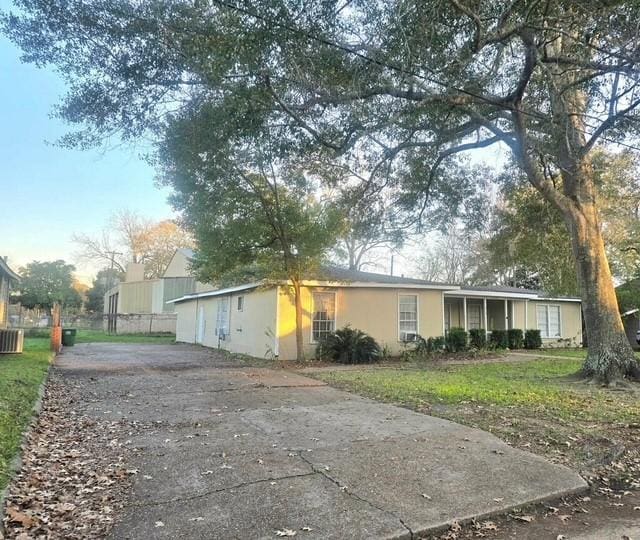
column 178, row 266
column 251, row 331
column 570, row 323
column 372, row 310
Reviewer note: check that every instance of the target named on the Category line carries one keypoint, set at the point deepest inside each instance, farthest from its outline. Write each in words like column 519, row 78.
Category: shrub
column 499, row 339
column 478, row 338
column 349, row 346
column 456, row 340
column 515, row 338
column 532, row 339
column 436, row 344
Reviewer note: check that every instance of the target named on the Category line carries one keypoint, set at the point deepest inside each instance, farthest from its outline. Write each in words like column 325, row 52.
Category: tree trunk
column 610, row 357
column 297, row 297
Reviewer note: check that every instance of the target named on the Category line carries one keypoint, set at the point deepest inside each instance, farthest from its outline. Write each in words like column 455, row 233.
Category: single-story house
column 258, row 319
column 7, row 277
column 140, row 305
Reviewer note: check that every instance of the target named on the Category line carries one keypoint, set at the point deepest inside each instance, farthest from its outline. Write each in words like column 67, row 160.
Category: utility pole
column 391, row 264
column 112, row 256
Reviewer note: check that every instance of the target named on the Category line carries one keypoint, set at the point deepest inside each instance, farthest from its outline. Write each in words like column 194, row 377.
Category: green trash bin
column 68, row 337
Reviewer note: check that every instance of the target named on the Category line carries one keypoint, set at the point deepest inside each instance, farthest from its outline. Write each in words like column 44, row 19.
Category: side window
column 222, row 316
column 240, row 303
column 408, row 317
column 324, row 315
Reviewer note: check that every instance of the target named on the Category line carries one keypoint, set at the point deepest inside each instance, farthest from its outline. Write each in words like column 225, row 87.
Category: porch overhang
column 497, row 295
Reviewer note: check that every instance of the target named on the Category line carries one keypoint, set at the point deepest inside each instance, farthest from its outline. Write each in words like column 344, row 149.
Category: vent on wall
column 11, row 341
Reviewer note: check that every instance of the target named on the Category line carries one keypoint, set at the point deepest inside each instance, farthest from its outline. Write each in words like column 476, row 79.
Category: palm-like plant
column 349, row 346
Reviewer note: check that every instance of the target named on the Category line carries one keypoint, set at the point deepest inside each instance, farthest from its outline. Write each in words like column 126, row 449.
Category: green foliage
column 349, row 346
column 44, row 283
column 515, row 338
column 499, row 339
column 456, row 340
column 532, row 339
column 478, row 338
column 104, row 280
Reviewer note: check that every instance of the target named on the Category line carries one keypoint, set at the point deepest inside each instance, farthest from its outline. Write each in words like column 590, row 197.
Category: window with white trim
column 408, row 317
column 222, row 317
column 548, row 317
column 324, row 315
column 240, row 303
column 474, row 318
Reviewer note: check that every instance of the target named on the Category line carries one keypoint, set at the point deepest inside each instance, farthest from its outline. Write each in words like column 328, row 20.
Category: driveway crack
column 353, row 495
column 220, row 490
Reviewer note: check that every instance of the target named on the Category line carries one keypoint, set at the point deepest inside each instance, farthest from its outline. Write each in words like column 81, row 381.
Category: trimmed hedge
column 499, row 339
column 515, row 338
column 478, row 338
column 456, row 340
column 532, row 339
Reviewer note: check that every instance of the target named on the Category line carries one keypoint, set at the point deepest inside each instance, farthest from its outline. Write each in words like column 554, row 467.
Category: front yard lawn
column 20, row 378
column 96, row 336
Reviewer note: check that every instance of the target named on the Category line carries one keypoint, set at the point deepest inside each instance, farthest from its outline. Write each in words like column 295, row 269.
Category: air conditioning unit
column 11, row 341
column 408, row 336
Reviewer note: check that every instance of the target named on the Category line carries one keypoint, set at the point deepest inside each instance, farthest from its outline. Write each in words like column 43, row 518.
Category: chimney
column 135, row 272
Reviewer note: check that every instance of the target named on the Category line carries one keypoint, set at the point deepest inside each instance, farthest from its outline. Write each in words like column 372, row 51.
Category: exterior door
column 201, row 321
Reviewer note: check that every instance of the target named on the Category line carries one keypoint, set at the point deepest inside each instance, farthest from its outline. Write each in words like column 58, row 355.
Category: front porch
column 470, row 310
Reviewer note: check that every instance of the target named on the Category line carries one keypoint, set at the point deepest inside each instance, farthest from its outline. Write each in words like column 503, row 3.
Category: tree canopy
column 42, row 284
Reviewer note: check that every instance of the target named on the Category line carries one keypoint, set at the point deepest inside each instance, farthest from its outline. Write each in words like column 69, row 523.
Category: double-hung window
column 222, row 317
column 408, row 317
column 324, row 315
column 548, row 320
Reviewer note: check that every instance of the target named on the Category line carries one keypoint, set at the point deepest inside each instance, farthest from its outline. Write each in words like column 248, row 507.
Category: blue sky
column 48, row 193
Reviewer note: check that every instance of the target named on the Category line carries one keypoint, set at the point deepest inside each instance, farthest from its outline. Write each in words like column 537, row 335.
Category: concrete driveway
column 247, row 452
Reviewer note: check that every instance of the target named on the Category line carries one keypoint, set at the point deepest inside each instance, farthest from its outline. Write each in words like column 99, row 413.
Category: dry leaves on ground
column 73, row 475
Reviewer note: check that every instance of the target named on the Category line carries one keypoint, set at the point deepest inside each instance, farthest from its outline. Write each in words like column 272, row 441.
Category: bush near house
column 532, row 339
column 499, row 339
column 515, row 338
column 349, row 346
column 456, row 340
column 478, row 338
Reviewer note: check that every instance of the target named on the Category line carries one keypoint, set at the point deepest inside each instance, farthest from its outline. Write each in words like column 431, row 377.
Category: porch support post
column 526, row 314
column 486, row 320
column 506, row 314
column 464, row 309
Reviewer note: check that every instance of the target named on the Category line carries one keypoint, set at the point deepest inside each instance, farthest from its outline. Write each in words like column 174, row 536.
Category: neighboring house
column 628, row 295
column 7, row 277
column 259, row 319
column 141, row 305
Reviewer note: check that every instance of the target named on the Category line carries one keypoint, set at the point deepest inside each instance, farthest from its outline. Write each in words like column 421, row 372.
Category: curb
column 16, row 463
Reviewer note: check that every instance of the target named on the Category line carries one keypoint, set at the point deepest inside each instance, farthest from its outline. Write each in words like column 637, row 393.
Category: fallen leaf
column 285, row 532
column 307, row 529
column 526, row 519
column 20, row 517
column 199, row 518
column 159, row 524
column 564, row 518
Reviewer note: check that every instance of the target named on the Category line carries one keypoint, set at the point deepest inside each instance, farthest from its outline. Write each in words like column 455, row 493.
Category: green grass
column 20, row 378
column 536, row 387
column 94, row 336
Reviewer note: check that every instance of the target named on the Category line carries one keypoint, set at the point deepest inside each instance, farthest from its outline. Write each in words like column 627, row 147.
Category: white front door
column 200, row 331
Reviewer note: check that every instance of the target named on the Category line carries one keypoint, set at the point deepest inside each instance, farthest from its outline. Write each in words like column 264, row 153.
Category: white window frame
column 226, row 301
column 313, row 311
column 545, row 334
column 471, row 307
column 417, row 297
column 240, row 303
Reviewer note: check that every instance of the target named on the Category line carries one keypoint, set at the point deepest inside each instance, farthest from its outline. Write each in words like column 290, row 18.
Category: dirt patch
column 74, row 476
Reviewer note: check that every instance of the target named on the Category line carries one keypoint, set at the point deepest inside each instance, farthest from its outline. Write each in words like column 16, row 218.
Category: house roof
column 336, row 276
column 4, row 267
column 187, row 252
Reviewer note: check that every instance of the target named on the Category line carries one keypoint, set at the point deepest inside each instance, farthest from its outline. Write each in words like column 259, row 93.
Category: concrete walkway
column 241, row 452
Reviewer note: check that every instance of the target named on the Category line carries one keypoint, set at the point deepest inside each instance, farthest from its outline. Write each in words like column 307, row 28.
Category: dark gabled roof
column 4, row 267
column 335, row 273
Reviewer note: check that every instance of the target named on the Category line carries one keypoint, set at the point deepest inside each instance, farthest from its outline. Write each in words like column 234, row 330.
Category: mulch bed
column 73, row 478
